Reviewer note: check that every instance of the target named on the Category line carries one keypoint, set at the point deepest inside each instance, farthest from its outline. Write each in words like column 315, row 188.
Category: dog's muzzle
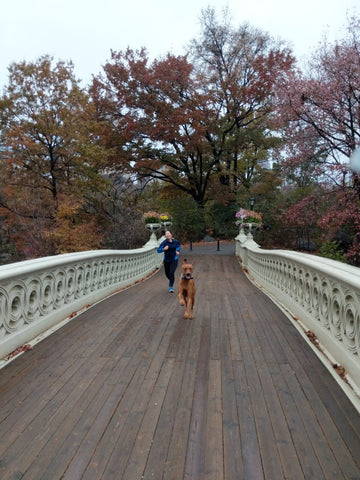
column 188, row 276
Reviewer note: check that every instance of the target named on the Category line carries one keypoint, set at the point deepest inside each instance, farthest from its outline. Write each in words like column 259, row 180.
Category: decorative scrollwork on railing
column 325, row 294
column 58, row 284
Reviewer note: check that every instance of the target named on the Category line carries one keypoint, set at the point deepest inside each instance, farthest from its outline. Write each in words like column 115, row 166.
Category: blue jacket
column 172, row 253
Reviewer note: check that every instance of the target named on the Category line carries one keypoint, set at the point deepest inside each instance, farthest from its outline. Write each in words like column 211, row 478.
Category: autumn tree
column 189, row 124
column 320, row 110
column 51, row 158
column 323, row 104
column 158, row 119
column 238, row 68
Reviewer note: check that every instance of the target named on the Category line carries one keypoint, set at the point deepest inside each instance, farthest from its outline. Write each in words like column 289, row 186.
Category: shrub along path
column 131, row 390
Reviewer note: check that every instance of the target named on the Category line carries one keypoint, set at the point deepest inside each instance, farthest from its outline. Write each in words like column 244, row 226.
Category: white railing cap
column 332, row 268
column 27, row 266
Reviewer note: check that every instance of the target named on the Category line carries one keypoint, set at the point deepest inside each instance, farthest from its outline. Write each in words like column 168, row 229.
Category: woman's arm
column 161, row 247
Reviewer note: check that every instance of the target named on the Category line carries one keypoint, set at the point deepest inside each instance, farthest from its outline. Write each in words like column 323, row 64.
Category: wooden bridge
column 131, row 390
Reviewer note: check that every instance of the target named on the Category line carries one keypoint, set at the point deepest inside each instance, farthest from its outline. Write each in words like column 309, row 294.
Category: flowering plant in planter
column 165, row 217
column 248, row 216
column 151, row 217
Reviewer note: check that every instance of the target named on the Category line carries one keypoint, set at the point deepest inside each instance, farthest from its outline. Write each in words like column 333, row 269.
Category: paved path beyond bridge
column 131, row 390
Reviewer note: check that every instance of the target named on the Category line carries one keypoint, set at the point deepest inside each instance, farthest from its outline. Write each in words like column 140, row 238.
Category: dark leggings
column 170, row 268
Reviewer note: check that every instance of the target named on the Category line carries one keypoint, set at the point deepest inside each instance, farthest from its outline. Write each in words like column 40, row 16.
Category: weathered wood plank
column 250, row 448
column 195, row 455
column 233, row 463
column 214, row 450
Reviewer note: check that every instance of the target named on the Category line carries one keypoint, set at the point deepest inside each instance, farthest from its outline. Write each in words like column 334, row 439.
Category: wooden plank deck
column 131, row 390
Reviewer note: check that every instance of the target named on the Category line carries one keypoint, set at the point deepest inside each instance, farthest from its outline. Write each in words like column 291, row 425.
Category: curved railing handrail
column 323, row 294
column 36, row 295
column 331, row 268
column 13, row 269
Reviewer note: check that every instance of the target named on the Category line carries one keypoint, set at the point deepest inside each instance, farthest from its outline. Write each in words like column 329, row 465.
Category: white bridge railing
column 36, row 295
column 322, row 294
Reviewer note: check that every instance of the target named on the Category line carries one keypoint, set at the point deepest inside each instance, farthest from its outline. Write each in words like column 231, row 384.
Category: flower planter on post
column 165, row 220
column 166, row 225
column 153, row 227
column 250, row 228
column 152, row 223
column 248, row 221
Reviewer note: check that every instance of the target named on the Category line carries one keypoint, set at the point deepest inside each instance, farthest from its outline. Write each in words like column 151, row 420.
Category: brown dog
column 186, row 291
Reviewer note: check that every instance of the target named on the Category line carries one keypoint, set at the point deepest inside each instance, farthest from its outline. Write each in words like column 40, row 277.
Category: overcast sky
column 85, row 31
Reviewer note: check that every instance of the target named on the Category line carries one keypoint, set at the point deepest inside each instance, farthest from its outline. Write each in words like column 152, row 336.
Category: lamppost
column 252, row 203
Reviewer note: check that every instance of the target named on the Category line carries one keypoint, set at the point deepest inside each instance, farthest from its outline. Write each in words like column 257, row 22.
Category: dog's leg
column 181, row 297
column 192, row 308
column 187, row 302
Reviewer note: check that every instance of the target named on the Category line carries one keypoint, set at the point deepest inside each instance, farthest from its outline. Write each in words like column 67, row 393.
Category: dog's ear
column 193, row 263
column 185, row 260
